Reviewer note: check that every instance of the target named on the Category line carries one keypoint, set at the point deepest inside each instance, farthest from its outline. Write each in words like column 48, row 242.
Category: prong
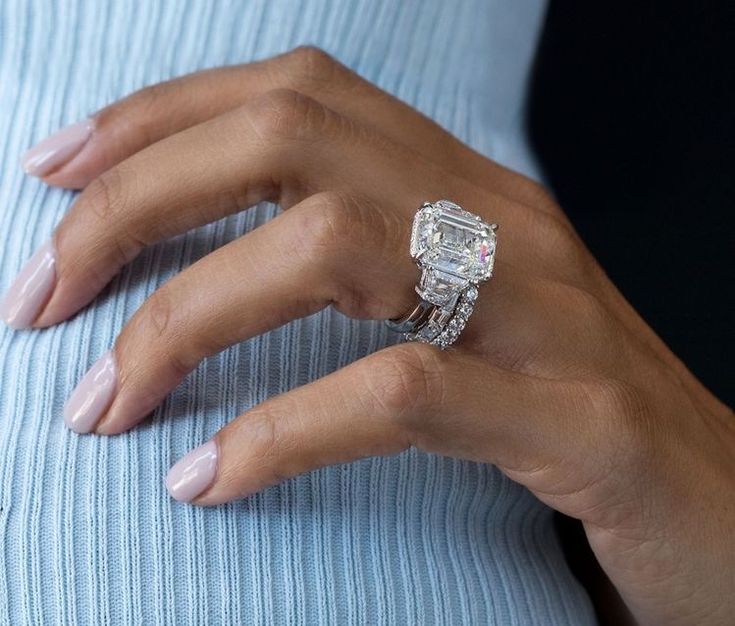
column 494, row 227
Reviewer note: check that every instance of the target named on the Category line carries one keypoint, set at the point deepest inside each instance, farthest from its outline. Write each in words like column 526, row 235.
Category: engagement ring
column 455, row 250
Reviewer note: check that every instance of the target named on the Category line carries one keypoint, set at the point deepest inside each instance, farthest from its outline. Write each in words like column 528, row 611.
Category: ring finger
column 330, row 249
column 296, row 264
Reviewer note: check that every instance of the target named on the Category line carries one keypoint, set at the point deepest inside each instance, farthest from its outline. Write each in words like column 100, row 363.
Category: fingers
column 342, row 417
column 280, row 147
column 411, row 394
column 159, row 111
column 78, row 154
column 294, row 265
column 263, row 151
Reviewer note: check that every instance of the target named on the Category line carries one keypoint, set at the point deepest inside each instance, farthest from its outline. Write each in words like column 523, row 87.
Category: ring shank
column 412, row 321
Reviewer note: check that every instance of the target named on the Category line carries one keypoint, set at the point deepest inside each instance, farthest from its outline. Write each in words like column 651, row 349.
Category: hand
column 556, row 380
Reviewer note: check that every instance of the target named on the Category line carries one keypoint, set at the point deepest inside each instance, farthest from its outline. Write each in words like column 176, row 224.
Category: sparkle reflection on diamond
column 452, row 241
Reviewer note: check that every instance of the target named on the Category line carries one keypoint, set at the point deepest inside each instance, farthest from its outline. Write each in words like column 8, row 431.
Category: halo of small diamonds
column 453, row 243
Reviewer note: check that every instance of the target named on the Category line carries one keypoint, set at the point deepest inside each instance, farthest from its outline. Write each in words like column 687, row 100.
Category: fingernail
column 193, row 473
column 92, row 396
column 57, row 149
column 31, row 289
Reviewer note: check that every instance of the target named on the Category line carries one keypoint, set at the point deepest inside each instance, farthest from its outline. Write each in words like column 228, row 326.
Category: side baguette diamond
column 455, row 250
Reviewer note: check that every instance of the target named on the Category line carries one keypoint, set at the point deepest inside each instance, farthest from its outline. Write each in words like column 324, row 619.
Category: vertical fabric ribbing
column 88, row 534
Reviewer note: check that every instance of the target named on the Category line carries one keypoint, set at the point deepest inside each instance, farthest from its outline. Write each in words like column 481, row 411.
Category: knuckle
column 331, row 220
column 102, row 210
column 151, row 97
column 139, row 113
column 104, row 197
column 585, row 306
column 559, row 243
column 310, row 65
column 157, row 326
column 141, row 110
column 333, row 232
column 553, row 229
column 542, row 198
column 157, row 313
column 407, row 379
column 611, row 397
column 149, row 100
column 285, row 114
column 347, row 223
column 270, row 447
column 264, row 436
column 621, row 411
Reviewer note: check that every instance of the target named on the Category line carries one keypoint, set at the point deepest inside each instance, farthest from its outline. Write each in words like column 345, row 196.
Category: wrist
column 667, row 543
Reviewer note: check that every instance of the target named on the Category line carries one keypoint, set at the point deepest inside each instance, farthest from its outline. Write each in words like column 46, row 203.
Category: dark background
column 632, row 115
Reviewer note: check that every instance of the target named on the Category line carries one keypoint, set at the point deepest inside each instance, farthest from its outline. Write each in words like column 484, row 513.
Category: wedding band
column 455, row 250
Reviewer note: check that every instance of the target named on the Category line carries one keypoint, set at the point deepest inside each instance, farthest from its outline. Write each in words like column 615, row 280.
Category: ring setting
column 455, row 250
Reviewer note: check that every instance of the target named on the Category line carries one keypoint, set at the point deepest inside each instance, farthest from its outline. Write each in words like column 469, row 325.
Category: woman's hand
column 556, row 380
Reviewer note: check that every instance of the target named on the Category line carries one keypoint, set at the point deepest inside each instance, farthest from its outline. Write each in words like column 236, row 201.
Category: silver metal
column 455, row 250
column 433, row 327
column 412, row 321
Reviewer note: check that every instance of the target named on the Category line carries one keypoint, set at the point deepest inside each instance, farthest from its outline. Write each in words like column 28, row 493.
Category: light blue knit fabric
column 88, row 534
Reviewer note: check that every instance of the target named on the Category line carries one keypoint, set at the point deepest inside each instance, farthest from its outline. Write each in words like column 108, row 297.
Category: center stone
column 447, row 238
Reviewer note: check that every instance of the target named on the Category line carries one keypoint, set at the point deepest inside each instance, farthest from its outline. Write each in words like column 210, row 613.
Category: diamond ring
column 455, row 250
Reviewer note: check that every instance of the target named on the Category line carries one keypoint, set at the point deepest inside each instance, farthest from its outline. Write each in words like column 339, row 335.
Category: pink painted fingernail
column 193, row 473
column 92, row 396
column 31, row 289
column 57, row 149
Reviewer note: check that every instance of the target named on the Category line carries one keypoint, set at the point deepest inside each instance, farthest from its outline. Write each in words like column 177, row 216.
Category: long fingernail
column 31, row 289
column 92, row 396
column 193, row 473
column 57, row 149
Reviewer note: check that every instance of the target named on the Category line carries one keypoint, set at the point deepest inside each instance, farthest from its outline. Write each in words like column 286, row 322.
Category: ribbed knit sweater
column 88, row 534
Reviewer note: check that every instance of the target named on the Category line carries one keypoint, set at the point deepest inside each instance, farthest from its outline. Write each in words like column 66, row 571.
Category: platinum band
column 413, row 320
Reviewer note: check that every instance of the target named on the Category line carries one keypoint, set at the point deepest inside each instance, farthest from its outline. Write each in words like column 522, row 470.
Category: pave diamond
column 471, row 294
column 453, row 241
column 457, row 321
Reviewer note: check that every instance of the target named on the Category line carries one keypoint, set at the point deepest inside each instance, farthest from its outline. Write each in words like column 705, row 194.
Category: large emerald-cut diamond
column 453, row 241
